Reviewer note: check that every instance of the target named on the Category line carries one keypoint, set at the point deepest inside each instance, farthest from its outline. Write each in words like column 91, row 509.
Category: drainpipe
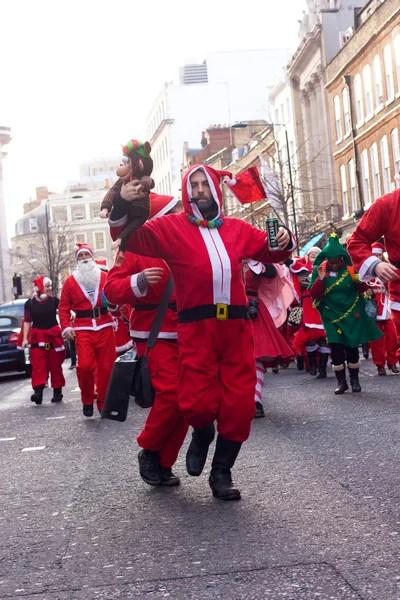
column 357, row 213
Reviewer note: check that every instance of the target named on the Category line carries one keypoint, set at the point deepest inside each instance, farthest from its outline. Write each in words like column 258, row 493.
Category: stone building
column 5, row 277
column 363, row 83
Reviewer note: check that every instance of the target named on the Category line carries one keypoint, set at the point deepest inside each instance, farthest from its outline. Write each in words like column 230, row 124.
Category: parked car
column 12, row 358
column 16, row 307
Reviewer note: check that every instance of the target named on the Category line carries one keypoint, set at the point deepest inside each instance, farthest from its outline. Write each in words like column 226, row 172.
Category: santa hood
column 214, row 178
column 39, row 284
column 160, row 205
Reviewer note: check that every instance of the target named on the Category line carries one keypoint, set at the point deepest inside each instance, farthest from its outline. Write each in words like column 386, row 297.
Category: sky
column 78, row 78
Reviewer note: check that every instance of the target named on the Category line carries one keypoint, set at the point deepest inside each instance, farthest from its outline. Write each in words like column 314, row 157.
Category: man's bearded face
column 87, row 272
column 201, row 193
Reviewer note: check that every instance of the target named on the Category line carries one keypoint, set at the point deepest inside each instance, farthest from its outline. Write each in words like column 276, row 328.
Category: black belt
column 45, row 347
column 396, row 263
column 91, row 314
column 252, row 294
column 171, row 306
column 222, row 312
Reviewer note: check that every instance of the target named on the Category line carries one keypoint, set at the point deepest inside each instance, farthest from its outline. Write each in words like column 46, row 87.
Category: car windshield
column 12, row 307
column 7, row 322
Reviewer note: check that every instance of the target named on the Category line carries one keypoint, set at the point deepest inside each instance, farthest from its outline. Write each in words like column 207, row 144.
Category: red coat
column 74, row 297
column 121, row 287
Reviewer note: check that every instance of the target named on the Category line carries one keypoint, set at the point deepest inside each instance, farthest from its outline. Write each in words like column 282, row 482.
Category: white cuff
column 135, row 287
column 67, row 329
column 366, row 269
column 119, row 223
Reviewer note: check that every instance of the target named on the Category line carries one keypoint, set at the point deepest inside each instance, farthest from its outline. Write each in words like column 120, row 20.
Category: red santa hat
column 102, row 264
column 38, row 286
column 214, row 178
column 82, row 248
column 247, row 186
column 160, row 205
column 378, row 248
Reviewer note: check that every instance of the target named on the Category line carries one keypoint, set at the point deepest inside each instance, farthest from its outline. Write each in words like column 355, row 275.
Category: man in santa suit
column 93, row 329
column 217, row 374
column 140, row 282
column 384, row 350
column 381, row 219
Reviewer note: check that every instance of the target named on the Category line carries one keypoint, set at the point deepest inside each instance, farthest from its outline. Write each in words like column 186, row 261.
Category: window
column 33, row 225
column 387, row 55
column 80, row 238
column 99, row 241
column 359, row 100
column 94, row 172
column 288, row 111
column 20, row 227
column 385, row 164
column 346, row 110
column 343, row 184
column 369, row 107
column 78, row 212
column 32, row 253
column 375, row 171
column 394, row 136
column 338, row 119
column 378, row 88
column 352, row 178
column 366, row 180
column 59, row 213
column 18, row 255
column 95, row 211
column 397, row 60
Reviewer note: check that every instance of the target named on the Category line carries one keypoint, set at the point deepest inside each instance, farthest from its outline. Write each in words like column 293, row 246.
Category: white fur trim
column 119, row 223
column 135, row 287
column 220, row 264
column 67, row 329
column 377, row 251
column 255, row 266
column 47, row 281
column 394, row 305
column 214, row 194
column 366, row 266
column 324, row 350
column 163, row 335
column 314, row 326
column 95, row 327
column 125, row 347
column 166, row 208
column 311, row 348
column 83, row 250
column 299, row 269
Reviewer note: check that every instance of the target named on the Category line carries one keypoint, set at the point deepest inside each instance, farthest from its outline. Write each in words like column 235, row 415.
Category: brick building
column 363, row 83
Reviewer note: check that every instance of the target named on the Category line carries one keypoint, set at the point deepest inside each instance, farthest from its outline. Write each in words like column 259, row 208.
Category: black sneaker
column 71, row 367
column 168, row 478
column 87, row 410
column 149, row 467
column 259, row 411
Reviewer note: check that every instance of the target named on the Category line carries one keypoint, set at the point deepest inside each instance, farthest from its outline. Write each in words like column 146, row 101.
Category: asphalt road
column 319, row 516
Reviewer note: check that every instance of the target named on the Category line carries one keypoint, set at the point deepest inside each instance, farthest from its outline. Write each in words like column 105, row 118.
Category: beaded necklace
column 214, row 224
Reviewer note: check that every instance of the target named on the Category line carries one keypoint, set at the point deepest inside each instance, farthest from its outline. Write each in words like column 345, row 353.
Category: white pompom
column 231, row 182
column 43, row 296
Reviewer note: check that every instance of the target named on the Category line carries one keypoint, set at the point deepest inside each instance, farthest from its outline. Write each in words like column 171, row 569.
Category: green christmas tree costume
column 342, row 307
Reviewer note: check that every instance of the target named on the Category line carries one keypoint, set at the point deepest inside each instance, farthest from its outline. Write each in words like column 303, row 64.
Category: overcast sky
column 78, row 78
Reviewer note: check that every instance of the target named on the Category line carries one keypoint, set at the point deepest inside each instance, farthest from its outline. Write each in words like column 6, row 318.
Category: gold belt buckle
column 96, row 312
column 47, row 346
column 222, row 312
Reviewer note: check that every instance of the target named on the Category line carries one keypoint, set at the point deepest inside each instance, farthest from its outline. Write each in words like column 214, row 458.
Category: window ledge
column 347, row 135
column 379, row 108
column 369, row 117
column 398, row 94
column 390, row 100
column 345, row 217
column 339, row 141
column 360, row 124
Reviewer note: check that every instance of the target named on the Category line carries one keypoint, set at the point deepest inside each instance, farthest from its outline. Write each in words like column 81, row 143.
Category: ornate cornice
column 309, row 44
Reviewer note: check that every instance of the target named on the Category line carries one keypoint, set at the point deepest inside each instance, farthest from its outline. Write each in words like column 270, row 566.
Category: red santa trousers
column 44, row 362
column 96, row 357
column 384, row 350
column 217, row 375
column 165, row 428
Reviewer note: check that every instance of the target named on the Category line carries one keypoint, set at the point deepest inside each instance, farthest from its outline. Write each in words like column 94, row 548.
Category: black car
column 12, row 359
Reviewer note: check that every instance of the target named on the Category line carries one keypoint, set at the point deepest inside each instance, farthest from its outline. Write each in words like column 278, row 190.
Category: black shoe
column 37, row 396
column 87, row 410
column 354, row 381
column 300, row 362
column 57, row 395
column 323, row 362
column 220, row 480
column 341, row 377
column 259, row 411
column 149, row 467
column 365, row 350
column 196, row 455
column 167, row 477
column 71, row 367
column 312, row 358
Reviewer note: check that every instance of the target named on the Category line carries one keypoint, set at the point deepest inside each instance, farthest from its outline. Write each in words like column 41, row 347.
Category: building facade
column 5, row 274
column 363, row 83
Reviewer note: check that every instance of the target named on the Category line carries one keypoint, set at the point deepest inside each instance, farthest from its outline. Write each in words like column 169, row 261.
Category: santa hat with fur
column 378, row 248
column 82, row 248
column 247, row 186
column 39, row 284
column 160, row 205
column 102, row 264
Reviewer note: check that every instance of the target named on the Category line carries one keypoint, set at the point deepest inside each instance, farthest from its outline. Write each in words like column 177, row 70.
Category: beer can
column 272, row 231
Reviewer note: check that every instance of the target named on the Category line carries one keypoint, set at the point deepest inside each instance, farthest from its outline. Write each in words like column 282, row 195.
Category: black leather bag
column 142, row 389
column 119, row 388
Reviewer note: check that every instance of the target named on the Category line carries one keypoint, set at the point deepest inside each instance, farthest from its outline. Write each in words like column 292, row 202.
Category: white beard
column 87, row 274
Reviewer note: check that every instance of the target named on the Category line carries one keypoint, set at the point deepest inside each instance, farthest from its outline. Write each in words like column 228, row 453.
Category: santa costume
column 216, row 354
column 384, row 350
column 83, row 293
column 270, row 347
column 165, row 428
column 47, row 352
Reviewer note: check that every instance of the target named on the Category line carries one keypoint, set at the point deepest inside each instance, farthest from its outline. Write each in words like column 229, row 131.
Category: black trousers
column 72, row 350
column 340, row 354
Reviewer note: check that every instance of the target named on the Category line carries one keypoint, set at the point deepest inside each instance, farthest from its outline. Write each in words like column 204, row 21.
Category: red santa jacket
column 205, row 263
column 121, row 287
column 381, row 297
column 74, row 297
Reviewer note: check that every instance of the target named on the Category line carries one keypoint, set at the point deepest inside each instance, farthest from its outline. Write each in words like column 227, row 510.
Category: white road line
column 33, row 448
column 53, row 418
column 7, row 439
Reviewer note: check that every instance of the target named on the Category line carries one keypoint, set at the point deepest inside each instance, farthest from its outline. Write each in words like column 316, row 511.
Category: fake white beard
column 87, row 274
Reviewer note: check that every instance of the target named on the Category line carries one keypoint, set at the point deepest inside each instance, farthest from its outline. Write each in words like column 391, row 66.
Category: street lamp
column 242, row 124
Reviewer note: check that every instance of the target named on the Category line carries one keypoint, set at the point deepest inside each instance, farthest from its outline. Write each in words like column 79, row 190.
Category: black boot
column 37, row 396
column 167, row 477
column 196, row 455
column 353, row 372
column 57, row 395
column 341, row 377
column 220, row 480
column 87, row 410
column 323, row 362
column 312, row 357
column 259, row 411
column 365, row 350
column 300, row 362
column 149, row 467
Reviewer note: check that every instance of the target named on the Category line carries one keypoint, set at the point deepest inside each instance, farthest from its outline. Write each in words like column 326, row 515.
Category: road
column 319, row 516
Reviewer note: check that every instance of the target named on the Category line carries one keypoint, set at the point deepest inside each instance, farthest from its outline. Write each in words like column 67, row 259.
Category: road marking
column 53, row 418
column 7, row 439
column 33, row 448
